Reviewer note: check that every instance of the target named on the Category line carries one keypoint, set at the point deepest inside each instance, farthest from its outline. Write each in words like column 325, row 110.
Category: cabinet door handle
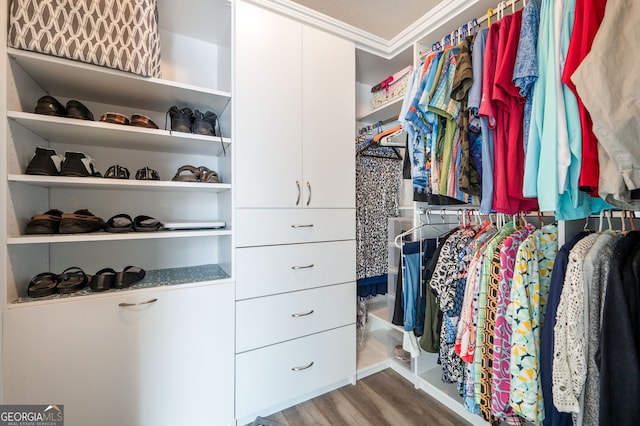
column 302, row 315
column 309, row 189
column 299, row 193
column 303, row 226
column 302, row 368
column 127, row 305
column 295, row 268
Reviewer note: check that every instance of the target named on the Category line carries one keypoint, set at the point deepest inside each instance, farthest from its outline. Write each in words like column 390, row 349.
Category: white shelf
column 383, row 113
column 78, row 80
column 98, row 133
column 109, row 236
column 118, row 184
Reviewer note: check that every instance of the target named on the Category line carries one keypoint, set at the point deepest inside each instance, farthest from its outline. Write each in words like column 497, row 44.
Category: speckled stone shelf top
column 153, row 278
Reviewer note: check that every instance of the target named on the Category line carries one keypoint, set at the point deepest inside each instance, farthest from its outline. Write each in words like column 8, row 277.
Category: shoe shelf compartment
column 118, row 184
column 194, row 276
column 97, row 133
column 78, row 80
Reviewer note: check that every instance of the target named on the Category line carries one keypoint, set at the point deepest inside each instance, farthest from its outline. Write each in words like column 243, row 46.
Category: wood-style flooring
column 384, row 398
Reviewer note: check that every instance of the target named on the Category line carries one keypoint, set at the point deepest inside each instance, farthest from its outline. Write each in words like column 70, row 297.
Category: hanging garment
column 595, row 270
column 569, row 356
column 501, row 377
column 377, row 187
column 588, row 16
column 508, row 165
column 552, row 417
column 620, row 336
column 469, row 177
column 525, row 69
column 525, row 312
column 614, row 106
column 475, row 97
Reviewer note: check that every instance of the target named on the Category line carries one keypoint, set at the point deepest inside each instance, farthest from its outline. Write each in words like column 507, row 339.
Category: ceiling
column 382, row 18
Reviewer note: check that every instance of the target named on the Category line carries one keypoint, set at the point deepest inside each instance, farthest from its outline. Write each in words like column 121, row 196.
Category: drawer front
column 258, row 227
column 273, row 319
column 277, row 374
column 262, row 271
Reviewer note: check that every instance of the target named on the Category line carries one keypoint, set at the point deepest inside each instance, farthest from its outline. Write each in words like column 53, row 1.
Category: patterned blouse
column 525, row 314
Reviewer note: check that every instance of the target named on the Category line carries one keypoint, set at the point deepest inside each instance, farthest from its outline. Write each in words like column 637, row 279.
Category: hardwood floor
column 384, row 398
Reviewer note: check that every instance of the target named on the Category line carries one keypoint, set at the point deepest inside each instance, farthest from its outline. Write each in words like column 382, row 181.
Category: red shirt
column 588, row 17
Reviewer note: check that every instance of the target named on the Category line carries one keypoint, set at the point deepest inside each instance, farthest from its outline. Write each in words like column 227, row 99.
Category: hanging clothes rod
column 471, row 26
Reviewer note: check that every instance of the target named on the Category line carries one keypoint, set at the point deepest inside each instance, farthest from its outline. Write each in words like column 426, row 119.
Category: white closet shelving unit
column 103, row 351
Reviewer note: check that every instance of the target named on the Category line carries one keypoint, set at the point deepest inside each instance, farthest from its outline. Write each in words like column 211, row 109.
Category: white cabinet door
column 165, row 362
column 328, row 112
column 295, row 114
column 268, row 108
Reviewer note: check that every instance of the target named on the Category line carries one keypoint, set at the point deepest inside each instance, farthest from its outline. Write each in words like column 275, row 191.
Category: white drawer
column 277, row 374
column 257, row 227
column 262, row 271
column 273, row 319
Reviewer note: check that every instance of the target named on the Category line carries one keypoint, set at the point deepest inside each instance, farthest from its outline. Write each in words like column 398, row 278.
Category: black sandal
column 71, row 280
column 117, row 172
column 129, row 275
column 147, row 173
column 43, row 285
column 119, row 223
column 103, row 279
column 145, row 223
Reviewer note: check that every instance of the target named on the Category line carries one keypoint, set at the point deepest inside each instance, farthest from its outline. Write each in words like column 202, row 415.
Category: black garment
column 398, row 309
column 620, row 337
column 552, row 416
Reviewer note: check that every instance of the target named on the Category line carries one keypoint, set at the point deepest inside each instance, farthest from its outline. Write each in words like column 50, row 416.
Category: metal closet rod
column 461, row 31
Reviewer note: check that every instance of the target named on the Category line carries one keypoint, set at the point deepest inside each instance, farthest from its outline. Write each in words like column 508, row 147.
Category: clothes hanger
column 371, row 148
column 397, row 139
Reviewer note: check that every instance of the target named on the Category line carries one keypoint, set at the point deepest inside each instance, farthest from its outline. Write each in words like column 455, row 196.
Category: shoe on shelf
column 45, row 223
column 80, row 221
column 114, row 118
column 204, row 124
column 147, row 173
column 117, row 172
column 77, row 164
column 48, row 105
column 140, row 120
column 45, row 162
column 76, row 109
column 181, row 119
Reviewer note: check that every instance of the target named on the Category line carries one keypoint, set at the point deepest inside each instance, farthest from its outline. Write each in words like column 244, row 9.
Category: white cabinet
column 161, row 361
column 295, row 108
column 152, row 364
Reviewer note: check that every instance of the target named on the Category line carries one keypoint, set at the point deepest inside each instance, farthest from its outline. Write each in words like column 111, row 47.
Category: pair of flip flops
column 74, row 279
column 123, row 223
column 47, row 283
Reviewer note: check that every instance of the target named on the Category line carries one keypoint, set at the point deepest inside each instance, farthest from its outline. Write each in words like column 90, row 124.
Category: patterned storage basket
column 119, row 34
column 393, row 87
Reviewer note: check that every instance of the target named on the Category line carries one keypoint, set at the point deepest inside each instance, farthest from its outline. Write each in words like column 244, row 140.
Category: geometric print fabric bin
column 118, row 34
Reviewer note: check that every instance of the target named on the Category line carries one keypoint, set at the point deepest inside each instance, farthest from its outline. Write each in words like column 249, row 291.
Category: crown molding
column 433, row 23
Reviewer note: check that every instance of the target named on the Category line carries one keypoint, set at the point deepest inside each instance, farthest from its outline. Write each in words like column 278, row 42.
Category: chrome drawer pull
column 302, row 226
column 302, row 315
column 295, row 268
column 127, row 305
column 302, row 368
